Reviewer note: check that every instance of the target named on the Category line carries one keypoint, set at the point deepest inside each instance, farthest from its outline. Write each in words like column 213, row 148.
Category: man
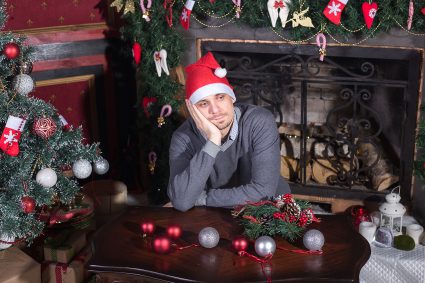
column 225, row 154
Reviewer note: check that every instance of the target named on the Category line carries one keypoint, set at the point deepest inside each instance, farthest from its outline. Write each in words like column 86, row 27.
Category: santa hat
column 205, row 78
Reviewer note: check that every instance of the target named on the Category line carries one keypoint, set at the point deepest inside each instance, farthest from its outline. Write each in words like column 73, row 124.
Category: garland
column 282, row 216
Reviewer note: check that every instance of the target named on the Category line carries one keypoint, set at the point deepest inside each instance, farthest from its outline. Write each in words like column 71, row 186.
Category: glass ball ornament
column 101, row 166
column 44, row 127
column 240, row 243
column 6, row 241
column 26, row 68
column 11, row 50
column 81, row 169
column 313, row 240
column 27, row 204
column 46, row 177
column 147, row 227
column 265, row 246
column 174, row 231
column 161, row 244
column 23, row 84
column 208, row 237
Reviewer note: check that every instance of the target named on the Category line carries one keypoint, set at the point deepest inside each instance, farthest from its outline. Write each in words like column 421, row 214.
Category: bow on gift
column 160, row 58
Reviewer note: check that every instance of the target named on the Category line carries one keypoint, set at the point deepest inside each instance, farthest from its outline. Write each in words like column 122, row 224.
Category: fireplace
column 347, row 124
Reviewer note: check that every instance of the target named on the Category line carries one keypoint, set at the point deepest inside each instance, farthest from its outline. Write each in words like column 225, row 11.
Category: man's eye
column 202, row 104
column 220, row 97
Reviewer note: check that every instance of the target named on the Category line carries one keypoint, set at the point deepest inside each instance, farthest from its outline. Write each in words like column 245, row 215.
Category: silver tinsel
column 101, row 166
column 4, row 246
column 313, row 240
column 208, row 237
column 81, row 169
column 23, row 84
column 265, row 245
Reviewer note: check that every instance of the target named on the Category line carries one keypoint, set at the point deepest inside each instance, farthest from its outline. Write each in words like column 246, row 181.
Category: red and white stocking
column 11, row 135
column 185, row 16
column 334, row 9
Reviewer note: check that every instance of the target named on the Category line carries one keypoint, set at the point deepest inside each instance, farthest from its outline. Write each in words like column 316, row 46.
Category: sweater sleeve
column 189, row 171
column 265, row 163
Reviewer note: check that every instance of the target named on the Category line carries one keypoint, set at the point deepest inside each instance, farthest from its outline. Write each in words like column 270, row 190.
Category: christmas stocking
column 334, row 9
column 11, row 134
column 185, row 16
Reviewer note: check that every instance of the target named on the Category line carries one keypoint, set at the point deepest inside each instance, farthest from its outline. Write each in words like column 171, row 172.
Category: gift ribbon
column 145, row 10
column 177, row 247
column 262, row 261
column 59, row 269
column 165, row 112
column 318, row 252
column 238, row 7
column 321, row 42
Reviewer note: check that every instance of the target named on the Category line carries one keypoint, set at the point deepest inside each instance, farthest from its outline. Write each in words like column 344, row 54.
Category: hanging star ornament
column 128, row 6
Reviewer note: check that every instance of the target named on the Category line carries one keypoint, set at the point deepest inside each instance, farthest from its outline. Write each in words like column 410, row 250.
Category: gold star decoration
column 128, row 6
column 44, row 5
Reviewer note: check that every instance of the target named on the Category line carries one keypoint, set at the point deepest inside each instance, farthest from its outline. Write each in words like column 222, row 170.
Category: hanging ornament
column 168, row 6
column 410, row 18
column 152, row 162
column 137, row 52
column 334, row 9
column 265, row 246
column 240, row 243
column 101, row 166
column 278, row 9
column 174, row 231
column 147, row 227
column 27, row 204
column 321, row 43
column 147, row 103
column 11, row 135
column 146, row 10
column 128, row 6
column 165, row 112
column 161, row 244
column 44, row 127
column 81, row 169
column 208, row 237
column 313, row 240
column 23, row 84
column 160, row 59
column 6, row 241
column 298, row 18
column 369, row 12
column 11, row 50
column 65, row 125
column 46, row 177
column 26, row 68
column 185, row 16
column 423, row 11
column 238, row 8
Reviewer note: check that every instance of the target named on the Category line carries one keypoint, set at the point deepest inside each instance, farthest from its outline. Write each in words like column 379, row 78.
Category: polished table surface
column 120, row 248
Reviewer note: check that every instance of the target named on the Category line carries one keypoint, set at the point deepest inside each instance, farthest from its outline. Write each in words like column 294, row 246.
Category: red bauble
column 174, row 231
column 147, row 227
column 240, row 243
column 161, row 244
column 137, row 52
column 44, row 127
column 11, row 50
column 27, row 204
column 423, row 11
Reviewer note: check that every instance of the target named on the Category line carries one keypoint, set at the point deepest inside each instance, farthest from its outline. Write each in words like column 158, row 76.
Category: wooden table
column 120, row 248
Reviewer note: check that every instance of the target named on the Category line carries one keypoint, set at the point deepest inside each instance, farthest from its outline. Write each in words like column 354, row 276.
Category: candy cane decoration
column 238, row 7
column 165, row 112
column 146, row 10
column 321, row 42
column 152, row 161
column 410, row 18
column 168, row 6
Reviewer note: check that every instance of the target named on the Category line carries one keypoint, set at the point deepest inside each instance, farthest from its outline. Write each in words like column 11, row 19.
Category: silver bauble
column 101, row 166
column 208, row 237
column 81, row 169
column 265, row 245
column 46, row 177
column 313, row 240
column 23, row 84
column 7, row 239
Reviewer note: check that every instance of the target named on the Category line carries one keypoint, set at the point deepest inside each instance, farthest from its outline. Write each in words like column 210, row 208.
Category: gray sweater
column 244, row 168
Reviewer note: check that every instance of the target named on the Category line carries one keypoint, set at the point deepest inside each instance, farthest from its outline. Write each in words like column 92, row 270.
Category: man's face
column 218, row 109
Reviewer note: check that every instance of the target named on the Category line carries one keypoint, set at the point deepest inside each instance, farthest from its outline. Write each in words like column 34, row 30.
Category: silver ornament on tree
column 81, row 169
column 313, row 240
column 6, row 241
column 208, row 237
column 46, row 177
column 23, row 84
column 264, row 246
column 101, row 166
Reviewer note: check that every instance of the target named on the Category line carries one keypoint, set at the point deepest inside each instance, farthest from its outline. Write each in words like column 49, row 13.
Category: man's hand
column 205, row 126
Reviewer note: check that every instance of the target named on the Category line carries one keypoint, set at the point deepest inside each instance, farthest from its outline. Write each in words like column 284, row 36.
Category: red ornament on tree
column 44, row 127
column 147, row 227
column 240, row 243
column 423, row 11
column 369, row 12
column 174, row 231
column 11, row 50
column 27, row 204
column 137, row 52
column 161, row 244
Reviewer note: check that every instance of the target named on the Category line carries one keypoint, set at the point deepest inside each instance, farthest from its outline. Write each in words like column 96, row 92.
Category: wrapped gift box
column 18, row 267
column 64, row 246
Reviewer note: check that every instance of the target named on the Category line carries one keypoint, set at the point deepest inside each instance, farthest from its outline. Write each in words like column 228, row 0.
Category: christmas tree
column 38, row 149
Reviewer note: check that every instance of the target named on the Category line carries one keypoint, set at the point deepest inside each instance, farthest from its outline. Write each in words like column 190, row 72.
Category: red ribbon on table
column 262, row 261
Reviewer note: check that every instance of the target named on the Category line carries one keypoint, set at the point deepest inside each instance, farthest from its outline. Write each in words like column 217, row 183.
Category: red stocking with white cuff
column 334, row 9
column 11, row 135
column 185, row 16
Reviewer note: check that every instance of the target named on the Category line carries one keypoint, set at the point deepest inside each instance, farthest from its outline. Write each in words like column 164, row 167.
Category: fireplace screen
column 347, row 124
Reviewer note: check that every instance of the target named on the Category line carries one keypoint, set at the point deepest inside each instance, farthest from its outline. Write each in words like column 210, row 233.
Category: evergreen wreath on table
column 282, row 216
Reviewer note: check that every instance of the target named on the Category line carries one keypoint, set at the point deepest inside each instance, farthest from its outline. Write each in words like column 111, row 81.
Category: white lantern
column 392, row 212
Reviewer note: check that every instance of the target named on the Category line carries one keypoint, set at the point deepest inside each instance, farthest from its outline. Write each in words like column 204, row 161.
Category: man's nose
column 213, row 108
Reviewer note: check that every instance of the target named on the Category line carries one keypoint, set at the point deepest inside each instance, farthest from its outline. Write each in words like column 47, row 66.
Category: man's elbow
column 181, row 205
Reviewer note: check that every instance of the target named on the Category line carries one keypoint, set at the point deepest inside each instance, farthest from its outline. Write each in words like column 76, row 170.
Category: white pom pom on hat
column 220, row 72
